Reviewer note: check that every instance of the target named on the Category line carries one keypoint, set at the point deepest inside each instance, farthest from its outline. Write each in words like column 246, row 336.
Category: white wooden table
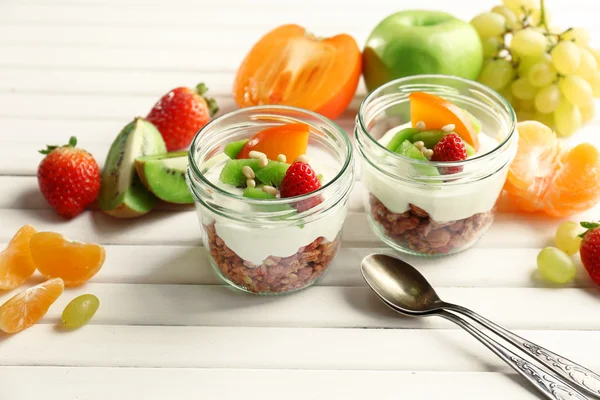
column 167, row 327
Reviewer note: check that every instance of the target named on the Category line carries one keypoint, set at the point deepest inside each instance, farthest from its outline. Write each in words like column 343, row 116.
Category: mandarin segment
column 57, row 257
column 29, row 306
column 576, row 186
column 16, row 263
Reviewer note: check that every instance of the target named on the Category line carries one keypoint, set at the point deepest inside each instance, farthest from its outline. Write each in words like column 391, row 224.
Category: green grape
column 576, row 90
column 556, row 266
column 526, row 63
column 497, row 74
column 522, row 89
column 566, row 57
column 595, row 53
column 518, row 5
column 511, row 19
column 567, row 118
column 507, row 94
column 525, row 105
column 579, row 35
column 489, row 24
column 541, row 74
column 545, row 118
column 536, row 16
column 80, row 310
column 594, row 82
column 587, row 113
column 587, row 65
column 491, row 46
column 528, row 43
column 547, row 99
column 567, row 237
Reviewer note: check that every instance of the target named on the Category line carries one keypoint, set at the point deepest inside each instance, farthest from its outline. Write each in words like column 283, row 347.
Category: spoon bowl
column 400, row 285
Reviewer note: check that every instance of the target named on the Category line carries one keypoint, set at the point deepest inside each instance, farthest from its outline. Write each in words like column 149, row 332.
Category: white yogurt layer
column 445, row 203
column 256, row 244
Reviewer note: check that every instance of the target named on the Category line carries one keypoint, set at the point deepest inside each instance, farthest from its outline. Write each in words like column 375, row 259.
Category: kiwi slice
column 232, row 149
column 409, row 150
column 257, row 193
column 429, row 138
column 122, row 193
column 232, row 174
column 400, row 137
column 273, row 173
column 164, row 175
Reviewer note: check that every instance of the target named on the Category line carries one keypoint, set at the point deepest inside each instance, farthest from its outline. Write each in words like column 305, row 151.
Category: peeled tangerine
column 544, row 177
column 16, row 263
column 28, row 307
column 74, row 262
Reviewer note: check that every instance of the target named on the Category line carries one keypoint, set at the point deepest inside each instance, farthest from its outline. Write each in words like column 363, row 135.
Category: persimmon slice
column 289, row 66
column 74, row 262
column 438, row 112
column 289, row 139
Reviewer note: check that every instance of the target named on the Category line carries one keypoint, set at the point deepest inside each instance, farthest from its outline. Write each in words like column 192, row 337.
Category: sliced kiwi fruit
column 429, row 138
column 257, row 193
column 400, row 137
column 409, row 150
column 273, row 173
column 232, row 174
column 164, row 175
column 232, row 149
column 122, row 193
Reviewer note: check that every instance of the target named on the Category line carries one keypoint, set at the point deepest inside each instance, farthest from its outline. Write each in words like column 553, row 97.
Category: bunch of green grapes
column 547, row 75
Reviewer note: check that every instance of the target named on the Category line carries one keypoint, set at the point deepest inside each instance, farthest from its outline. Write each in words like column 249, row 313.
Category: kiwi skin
column 122, row 194
column 164, row 176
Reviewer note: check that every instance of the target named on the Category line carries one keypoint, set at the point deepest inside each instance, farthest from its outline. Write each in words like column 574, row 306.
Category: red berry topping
column 300, row 179
column 180, row 114
column 450, row 148
column 69, row 179
column 590, row 250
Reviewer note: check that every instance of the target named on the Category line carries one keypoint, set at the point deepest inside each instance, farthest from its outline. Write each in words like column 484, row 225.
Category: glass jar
column 279, row 245
column 425, row 207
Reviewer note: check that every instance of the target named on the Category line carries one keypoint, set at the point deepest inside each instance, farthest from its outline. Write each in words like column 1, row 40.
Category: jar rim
column 401, row 81
column 348, row 155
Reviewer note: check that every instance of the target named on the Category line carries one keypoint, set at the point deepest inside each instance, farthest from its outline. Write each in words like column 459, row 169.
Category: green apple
column 418, row 42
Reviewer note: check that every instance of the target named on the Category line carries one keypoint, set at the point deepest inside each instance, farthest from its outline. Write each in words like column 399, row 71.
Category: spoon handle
column 580, row 376
column 549, row 385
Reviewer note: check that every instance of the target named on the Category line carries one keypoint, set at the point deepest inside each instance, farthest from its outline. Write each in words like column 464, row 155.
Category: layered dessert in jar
column 271, row 191
column 434, row 158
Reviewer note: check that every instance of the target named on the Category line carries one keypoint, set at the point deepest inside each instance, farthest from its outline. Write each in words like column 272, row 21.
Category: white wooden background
column 167, row 328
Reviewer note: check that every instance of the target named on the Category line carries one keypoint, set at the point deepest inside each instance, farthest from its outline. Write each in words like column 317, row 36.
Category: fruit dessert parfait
column 271, row 187
column 435, row 152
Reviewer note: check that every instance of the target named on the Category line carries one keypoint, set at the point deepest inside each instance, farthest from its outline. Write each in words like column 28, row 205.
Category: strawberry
column 450, row 148
column 300, row 179
column 590, row 250
column 180, row 114
column 69, row 178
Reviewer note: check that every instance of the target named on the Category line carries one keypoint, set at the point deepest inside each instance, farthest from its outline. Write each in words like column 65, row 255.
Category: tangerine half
column 29, row 306
column 16, row 263
column 74, row 262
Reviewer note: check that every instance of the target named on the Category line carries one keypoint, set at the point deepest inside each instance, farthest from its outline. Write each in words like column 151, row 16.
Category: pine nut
column 420, row 125
column 248, row 172
column 270, row 190
column 256, row 154
column 281, row 158
column 302, row 158
column 449, row 128
column 250, row 183
column 428, row 153
column 263, row 162
column 419, row 145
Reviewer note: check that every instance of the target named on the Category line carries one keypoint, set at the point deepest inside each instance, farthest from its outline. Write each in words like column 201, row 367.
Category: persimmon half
column 289, row 66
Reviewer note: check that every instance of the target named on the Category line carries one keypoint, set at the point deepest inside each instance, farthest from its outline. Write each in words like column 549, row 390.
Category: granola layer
column 275, row 274
column 417, row 231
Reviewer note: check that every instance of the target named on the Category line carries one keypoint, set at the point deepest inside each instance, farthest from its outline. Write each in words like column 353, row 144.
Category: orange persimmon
column 438, row 112
column 290, row 140
column 289, row 66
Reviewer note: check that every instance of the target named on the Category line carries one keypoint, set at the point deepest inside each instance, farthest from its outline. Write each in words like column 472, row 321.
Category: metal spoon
column 404, row 289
